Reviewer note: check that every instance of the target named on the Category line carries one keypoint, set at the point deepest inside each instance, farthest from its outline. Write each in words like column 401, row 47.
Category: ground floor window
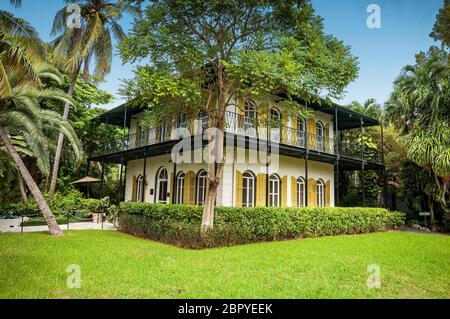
column 274, row 190
column 180, row 188
column 248, row 190
column 300, row 192
column 139, row 188
column 320, row 188
column 201, row 187
column 161, row 186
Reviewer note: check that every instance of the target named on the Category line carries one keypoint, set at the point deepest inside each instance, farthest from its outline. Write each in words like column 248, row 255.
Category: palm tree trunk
column 60, row 144
column 31, row 184
column 21, row 187
column 432, row 218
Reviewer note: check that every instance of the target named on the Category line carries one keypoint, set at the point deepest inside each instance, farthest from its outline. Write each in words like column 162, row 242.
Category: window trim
column 179, row 191
column 158, row 186
column 274, row 178
column 301, row 192
column 320, row 189
column 201, row 175
column 139, row 187
column 249, row 199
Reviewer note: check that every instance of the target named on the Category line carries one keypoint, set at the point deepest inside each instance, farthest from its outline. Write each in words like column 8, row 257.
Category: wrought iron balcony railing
column 241, row 125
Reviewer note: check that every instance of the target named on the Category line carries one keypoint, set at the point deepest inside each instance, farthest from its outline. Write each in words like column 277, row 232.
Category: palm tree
column 21, row 73
column 77, row 47
column 419, row 108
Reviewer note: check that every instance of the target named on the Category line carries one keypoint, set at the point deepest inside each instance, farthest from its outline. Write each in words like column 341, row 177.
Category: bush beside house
column 179, row 224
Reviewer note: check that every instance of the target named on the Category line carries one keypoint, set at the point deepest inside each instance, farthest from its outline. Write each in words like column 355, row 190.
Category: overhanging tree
column 202, row 54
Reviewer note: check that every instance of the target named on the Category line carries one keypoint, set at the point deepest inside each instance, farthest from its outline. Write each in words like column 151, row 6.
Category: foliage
column 441, row 29
column 71, row 202
column 179, row 224
column 418, row 107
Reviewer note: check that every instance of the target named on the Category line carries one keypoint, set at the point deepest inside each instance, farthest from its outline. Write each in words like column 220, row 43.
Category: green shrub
column 179, row 224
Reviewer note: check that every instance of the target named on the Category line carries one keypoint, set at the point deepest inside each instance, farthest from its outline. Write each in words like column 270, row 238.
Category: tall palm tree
column 22, row 70
column 77, row 47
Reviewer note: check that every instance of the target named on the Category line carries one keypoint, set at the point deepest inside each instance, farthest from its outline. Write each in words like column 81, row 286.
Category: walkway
column 13, row 226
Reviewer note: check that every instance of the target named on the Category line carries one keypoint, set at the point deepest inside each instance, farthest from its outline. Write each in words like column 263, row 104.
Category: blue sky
column 405, row 26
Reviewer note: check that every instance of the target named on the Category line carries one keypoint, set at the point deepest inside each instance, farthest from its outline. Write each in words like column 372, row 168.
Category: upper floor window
column 201, row 187
column 301, row 131
column 320, row 189
column 320, row 136
column 162, row 180
column 250, row 114
column 275, row 117
column 182, row 120
column 248, row 190
column 274, row 190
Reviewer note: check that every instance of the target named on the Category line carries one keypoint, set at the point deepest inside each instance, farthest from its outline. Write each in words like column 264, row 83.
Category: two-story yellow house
column 309, row 156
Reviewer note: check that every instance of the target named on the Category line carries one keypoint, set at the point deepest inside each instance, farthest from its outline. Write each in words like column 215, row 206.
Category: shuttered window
column 300, row 192
column 274, row 190
column 180, row 188
column 320, row 190
column 201, row 187
column 248, row 190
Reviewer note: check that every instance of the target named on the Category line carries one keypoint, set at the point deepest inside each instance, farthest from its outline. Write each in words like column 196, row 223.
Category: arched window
column 139, row 187
column 162, row 180
column 301, row 131
column 274, row 190
column 320, row 136
column 180, row 188
column 300, row 192
column 275, row 119
column 320, row 189
column 201, row 187
column 248, row 189
column 250, row 117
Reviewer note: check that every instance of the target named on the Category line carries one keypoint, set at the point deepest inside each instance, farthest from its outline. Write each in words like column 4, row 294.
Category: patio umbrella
column 87, row 180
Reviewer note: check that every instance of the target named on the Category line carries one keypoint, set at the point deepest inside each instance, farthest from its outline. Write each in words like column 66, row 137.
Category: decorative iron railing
column 238, row 124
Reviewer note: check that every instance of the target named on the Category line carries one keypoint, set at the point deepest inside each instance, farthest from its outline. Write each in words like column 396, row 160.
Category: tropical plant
column 418, row 107
column 92, row 41
column 203, row 54
column 22, row 70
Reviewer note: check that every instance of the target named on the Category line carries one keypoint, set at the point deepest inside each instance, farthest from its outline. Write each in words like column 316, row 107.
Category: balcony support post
column 267, row 152
column 336, row 141
column 174, row 182
column 363, row 164
column 121, row 177
column 384, row 168
column 306, row 162
column 144, row 171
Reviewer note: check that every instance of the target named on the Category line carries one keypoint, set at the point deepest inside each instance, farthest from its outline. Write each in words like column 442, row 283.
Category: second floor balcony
column 238, row 124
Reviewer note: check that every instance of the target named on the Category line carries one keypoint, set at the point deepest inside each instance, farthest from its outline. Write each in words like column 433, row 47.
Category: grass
column 116, row 265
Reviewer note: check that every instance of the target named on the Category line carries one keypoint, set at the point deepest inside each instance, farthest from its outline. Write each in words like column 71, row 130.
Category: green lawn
column 115, row 265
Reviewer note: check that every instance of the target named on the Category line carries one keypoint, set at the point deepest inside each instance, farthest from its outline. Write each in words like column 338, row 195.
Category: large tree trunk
column 60, row 144
column 432, row 218
column 31, row 184
column 215, row 151
column 23, row 193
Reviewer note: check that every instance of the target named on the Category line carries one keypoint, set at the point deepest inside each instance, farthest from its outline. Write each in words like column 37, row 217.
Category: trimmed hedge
column 180, row 224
